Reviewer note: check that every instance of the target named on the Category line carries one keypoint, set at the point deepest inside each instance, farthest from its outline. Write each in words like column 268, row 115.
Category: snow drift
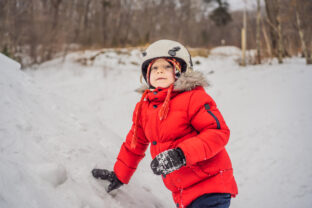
column 63, row 119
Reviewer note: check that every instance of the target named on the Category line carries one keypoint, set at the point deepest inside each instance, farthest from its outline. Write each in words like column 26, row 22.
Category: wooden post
column 243, row 62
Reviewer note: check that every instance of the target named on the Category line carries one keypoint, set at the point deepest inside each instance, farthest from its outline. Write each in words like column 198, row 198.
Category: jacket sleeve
column 128, row 159
column 213, row 133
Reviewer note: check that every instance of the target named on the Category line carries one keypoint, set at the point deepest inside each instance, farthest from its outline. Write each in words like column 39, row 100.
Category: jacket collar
column 158, row 95
column 186, row 82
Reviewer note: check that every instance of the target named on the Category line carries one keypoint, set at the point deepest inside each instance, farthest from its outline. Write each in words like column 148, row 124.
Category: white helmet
column 167, row 49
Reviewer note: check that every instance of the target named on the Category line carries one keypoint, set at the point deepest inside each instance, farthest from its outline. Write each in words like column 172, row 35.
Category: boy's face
column 161, row 74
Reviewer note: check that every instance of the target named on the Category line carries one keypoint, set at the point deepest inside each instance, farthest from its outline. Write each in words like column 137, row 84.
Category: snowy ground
column 62, row 119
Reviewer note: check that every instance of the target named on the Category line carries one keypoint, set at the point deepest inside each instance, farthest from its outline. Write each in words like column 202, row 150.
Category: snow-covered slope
column 63, row 119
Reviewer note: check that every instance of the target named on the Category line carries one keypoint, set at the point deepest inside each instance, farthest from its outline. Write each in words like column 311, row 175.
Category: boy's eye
column 154, row 68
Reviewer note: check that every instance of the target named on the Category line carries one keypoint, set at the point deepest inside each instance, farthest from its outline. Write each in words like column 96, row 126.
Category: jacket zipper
column 181, row 203
column 207, row 107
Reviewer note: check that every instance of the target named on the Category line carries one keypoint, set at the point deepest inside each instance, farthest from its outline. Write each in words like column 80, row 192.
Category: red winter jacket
column 195, row 125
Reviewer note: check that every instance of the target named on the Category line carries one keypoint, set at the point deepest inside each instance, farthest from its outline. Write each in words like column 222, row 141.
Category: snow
column 61, row 119
column 225, row 51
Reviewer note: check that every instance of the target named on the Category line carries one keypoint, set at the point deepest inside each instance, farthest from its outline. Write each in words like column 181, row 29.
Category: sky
column 240, row 4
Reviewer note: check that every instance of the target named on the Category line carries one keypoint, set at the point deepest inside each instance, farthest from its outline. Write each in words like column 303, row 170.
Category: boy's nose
column 160, row 70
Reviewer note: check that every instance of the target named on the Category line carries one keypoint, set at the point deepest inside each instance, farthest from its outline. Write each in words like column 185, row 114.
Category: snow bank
column 20, row 149
column 50, row 143
column 226, row 51
column 63, row 119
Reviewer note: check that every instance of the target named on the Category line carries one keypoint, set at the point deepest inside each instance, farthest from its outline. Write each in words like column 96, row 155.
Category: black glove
column 109, row 176
column 168, row 161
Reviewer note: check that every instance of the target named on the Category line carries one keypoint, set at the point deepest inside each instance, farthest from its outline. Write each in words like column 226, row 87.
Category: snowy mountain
column 64, row 118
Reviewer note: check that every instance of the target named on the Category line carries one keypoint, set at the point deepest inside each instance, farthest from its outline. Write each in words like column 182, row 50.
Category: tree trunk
column 33, row 45
column 51, row 48
column 272, row 20
column 310, row 59
column 244, row 39
column 304, row 47
column 280, row 35
column 258, row 33
column 267, row 41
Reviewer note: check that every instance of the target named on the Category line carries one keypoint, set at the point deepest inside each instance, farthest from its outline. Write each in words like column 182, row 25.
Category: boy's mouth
column 160, row 78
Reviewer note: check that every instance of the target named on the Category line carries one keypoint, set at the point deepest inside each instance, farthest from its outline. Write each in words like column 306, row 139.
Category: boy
column 187, row 132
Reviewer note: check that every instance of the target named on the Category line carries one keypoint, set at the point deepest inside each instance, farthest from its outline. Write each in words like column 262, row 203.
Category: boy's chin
column 163, row 86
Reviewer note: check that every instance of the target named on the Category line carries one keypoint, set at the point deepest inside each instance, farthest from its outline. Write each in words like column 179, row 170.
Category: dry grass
column 204, row 52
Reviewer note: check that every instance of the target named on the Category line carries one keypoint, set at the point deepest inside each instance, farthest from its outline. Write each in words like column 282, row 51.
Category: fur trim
column 186, row 82
column 142, row 89
column 190, row 80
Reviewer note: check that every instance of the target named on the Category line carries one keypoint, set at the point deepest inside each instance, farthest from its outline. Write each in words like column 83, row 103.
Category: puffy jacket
column 195, row 125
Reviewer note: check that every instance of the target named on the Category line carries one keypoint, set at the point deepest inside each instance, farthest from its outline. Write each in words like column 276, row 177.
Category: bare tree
column 304, row 45
column 274, row 21
column 42, row 29
column 258, row 37
column 266, row 39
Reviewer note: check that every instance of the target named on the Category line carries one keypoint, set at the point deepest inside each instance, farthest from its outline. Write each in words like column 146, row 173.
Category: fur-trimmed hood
column 186, row 82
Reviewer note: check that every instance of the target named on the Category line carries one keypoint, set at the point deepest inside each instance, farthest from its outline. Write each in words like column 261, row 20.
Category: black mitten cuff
column 181, row 155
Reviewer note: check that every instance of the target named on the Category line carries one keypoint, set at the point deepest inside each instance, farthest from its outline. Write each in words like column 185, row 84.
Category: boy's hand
column 110, row 176
column 168, row 161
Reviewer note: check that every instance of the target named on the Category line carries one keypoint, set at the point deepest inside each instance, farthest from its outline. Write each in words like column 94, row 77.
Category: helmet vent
column 172, row 52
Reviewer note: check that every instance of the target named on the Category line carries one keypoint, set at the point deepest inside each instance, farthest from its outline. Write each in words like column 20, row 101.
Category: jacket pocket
column 214, row 165
column 187, row 176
